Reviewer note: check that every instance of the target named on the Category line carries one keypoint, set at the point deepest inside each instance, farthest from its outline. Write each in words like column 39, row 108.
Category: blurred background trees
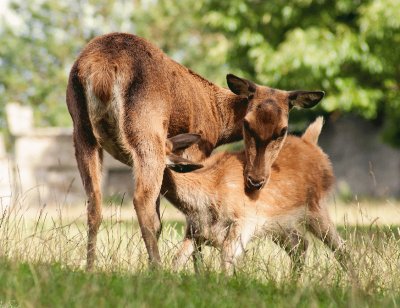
column 348, row 48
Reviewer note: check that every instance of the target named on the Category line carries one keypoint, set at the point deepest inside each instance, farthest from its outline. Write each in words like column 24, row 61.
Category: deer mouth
column 254, row 184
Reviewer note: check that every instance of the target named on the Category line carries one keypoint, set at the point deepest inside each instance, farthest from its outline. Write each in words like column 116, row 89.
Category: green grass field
column 42, row 260
column 54, row 285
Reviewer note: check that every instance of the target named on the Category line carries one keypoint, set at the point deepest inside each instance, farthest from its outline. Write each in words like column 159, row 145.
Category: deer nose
column 255, row 184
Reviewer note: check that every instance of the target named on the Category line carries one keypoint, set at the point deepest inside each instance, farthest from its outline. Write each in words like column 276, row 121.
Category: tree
column 348, row 48
column 36, row 56
column 345, row 47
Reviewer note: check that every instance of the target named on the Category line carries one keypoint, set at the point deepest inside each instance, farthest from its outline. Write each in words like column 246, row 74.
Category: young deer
column 221, row 212
column 126, row 96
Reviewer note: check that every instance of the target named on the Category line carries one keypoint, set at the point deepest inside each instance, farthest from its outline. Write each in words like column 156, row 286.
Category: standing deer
column 222, row 214
column 126, row 96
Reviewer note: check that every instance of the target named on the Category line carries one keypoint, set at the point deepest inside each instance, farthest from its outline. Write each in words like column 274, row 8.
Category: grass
column 53, row 285
column 42, row 258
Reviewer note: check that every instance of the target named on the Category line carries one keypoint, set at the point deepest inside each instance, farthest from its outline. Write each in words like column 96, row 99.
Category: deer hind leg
column 148, row 156
column 323, row 228
column 197, row 247
column 158, row 203
column 197, row 257
column 295, row 245
column 89, row 158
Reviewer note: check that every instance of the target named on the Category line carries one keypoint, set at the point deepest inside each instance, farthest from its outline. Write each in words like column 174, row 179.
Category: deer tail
column 313, row 131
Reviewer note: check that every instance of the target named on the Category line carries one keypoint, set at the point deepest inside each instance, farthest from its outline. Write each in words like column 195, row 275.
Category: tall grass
column 56, row 245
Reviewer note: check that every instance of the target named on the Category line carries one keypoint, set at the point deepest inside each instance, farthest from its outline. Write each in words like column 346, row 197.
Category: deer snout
column 255, row 183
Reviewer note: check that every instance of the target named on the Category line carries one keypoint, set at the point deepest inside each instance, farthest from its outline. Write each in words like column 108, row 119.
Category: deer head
column 265, row 124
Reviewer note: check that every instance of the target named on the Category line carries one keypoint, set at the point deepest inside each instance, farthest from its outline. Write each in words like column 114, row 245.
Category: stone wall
column 6, row 179
column 45, row 168
column 48, row 172
column 363, row 164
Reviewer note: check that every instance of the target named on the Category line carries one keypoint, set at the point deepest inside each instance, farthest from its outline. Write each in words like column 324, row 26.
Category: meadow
column 42, row 260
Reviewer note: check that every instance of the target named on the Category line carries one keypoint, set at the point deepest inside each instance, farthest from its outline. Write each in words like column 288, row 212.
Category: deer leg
column 158, row 202
column 89, row 158
column 190, row 233
column 228, row 257
column 197, row 256
column 324, row 229
column 234, row 246
column 295, row 245
column 184, row 253
column 190, row 247
column 148, row 157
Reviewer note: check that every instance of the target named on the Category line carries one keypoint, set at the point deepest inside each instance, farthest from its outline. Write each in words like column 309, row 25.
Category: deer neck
column 188, row 192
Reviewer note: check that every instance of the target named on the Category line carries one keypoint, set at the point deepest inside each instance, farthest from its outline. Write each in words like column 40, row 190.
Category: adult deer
column 126, row 96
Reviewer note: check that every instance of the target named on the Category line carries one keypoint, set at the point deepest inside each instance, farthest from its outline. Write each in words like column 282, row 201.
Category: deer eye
column 247, row 127
column 283, row 132
column 280, row 135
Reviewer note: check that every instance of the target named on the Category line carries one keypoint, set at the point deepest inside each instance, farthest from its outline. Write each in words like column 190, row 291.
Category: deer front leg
column 148, row 170
column 295, row 245
column 234, row 246
column 147, row 149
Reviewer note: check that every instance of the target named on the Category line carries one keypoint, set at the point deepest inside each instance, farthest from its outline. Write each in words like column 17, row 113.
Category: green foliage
column 179, row 29
column 32, row 60
column 348, row 48
column 37, row 52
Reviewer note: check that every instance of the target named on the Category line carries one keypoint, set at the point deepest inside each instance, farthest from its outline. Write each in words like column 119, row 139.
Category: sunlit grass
column 50, row 243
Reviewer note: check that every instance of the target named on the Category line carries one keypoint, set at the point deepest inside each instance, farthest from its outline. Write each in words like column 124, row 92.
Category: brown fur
column 221, row 213
column 126, row 96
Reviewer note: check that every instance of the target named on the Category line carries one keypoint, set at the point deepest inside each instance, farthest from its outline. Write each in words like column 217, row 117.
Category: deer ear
column 183, row 141
column 305, row 99
column 180, row 164
column 240, row 86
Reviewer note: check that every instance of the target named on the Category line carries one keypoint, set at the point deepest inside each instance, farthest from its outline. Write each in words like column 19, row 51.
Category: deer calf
column 222, row 212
